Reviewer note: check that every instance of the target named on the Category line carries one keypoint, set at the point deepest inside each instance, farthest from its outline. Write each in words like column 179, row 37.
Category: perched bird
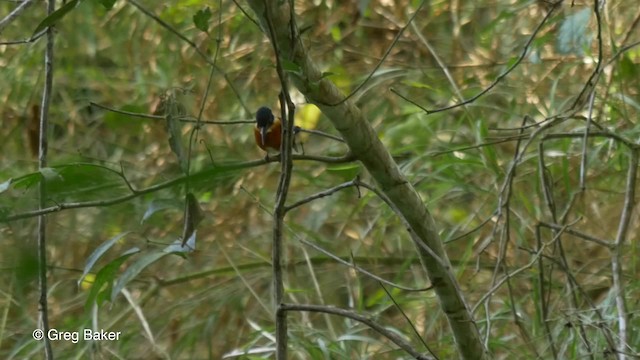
column 268, row 130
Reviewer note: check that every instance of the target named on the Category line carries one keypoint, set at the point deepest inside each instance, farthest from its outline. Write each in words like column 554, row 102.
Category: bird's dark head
column 264, row 118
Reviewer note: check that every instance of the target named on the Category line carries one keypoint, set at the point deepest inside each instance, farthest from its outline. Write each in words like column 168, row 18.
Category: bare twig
column 395, row 338
column 42, row 163
column 383, row 58
column 322, row 194
column 499, row 283
column 616, row 259
column 321, row 133
column 499, row 77
column 360, row 269
column 415, row 331
column 585, row 141
column 193, row 45
column 14, row 14
column 544, row 300
column 587, row 237
column 288, row 111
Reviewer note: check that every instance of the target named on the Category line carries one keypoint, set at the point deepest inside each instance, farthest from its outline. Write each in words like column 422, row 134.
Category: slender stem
column 42, row 163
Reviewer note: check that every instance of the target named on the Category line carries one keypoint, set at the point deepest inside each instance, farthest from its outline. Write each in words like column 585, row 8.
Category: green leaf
column 201, row 19
column 108, row 4
column 326, row 74
column 56, row 16
column 347, row 171
column 27, row 181
column 99, row 251
column 132, row 271
column 290, row 66
column 336, row 33
column 105, row 276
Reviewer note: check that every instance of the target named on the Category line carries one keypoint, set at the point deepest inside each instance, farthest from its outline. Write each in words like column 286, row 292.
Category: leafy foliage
column 495, row 214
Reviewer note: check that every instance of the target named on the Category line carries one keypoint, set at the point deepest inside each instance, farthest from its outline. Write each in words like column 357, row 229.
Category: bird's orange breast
column 273, row 137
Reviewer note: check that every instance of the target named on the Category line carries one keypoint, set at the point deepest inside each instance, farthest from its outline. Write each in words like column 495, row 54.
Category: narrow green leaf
column 290, row 66
column 56, row 15
column 132, row 271
column 98, row 252
column 106, row 276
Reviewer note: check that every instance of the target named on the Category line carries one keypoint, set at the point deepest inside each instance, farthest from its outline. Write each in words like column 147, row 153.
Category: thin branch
column 321, row 133
column 288, row 111
column 382, row 59
column 14, row 14
column 43, row 310
column 219, row 168
column 415, row 331
column 395, row 338
column 193, row 45
column 322, row 194
column 499, row 283
column 568, row 230
column 616, row 259
column 186, row 119
column 497, row 79
column 544, row 300
column 591, row 83
column 25, row 41
column 585, row 140
column 358, row 268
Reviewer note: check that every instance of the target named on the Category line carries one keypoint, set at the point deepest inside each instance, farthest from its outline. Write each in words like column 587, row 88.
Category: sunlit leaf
column 307, row 116
column 88, row 281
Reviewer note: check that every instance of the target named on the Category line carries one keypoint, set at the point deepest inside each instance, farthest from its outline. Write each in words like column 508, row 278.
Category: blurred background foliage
column 216, row 301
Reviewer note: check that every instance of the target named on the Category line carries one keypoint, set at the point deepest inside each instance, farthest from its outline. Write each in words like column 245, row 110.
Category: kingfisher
column 268, row 130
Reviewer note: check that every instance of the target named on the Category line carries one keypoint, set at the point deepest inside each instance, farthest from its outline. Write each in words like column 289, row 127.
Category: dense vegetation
column 515, row 122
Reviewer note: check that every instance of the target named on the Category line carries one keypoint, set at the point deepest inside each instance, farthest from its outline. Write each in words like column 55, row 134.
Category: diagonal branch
column 365, row 145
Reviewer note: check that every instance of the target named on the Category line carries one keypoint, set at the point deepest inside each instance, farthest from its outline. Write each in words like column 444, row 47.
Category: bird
column 268, row 130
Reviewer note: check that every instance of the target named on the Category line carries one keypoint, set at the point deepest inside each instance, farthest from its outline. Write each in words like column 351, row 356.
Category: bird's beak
column 263, row 135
